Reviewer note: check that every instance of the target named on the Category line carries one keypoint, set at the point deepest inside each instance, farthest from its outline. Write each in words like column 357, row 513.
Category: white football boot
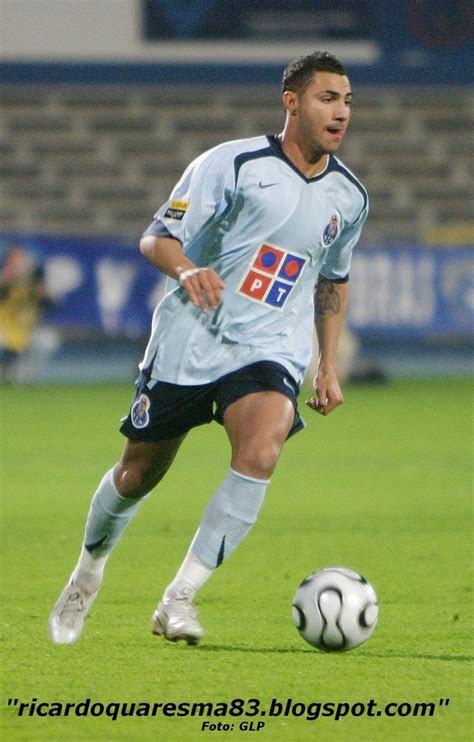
column 66, row 621
column 176, row 618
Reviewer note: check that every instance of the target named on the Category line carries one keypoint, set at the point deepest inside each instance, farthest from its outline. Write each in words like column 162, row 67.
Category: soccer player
column 256, row 239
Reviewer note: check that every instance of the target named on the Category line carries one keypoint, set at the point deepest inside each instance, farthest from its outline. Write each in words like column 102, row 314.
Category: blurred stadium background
column 103, row 104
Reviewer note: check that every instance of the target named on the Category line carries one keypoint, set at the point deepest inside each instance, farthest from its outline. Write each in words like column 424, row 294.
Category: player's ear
column 290, row 101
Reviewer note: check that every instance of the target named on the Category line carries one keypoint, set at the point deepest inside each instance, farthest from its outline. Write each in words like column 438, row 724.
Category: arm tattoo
column 326, row 298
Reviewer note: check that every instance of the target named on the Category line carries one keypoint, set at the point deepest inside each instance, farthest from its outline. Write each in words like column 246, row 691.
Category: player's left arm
column 330, row 304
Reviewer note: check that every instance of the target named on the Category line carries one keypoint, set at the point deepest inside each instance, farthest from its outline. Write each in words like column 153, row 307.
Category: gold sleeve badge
column 176, row 209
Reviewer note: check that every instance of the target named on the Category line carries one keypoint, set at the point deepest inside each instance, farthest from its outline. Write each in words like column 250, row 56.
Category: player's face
column 322, row 111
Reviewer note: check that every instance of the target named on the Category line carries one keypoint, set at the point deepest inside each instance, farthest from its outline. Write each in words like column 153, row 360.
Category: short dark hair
column 299, row 72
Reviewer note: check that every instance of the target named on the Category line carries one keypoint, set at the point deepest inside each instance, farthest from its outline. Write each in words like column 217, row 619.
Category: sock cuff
column 109, row 477
column 109, row 498
column 249, row 479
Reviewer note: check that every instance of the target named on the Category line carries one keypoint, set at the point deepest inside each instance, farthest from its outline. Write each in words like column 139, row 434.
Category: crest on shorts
column 272, row 276
column 331, row 231
column 139, row 415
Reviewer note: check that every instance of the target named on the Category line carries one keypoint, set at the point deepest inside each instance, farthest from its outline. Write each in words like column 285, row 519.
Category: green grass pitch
column 381, row 486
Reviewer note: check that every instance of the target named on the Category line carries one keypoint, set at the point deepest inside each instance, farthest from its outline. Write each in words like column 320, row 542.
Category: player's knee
column 257, row 461
column 134, row 480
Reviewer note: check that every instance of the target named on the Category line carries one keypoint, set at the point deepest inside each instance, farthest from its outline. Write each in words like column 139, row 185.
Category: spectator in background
column 23, row 297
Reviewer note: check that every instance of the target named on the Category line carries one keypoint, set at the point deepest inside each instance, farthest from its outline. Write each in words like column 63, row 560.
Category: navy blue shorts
column 161, row 410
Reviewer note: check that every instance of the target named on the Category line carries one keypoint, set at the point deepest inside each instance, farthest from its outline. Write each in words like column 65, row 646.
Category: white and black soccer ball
column 335, row 609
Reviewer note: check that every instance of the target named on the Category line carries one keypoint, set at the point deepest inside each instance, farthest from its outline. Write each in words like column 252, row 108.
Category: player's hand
column 203, row 286
column 328, row 392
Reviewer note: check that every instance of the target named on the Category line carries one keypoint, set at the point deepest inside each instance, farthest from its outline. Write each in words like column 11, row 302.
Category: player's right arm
column 200, row 196
column 202, row 285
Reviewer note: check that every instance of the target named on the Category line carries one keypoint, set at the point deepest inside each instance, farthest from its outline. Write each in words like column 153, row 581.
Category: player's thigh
column 143, row 464
column 257, row 425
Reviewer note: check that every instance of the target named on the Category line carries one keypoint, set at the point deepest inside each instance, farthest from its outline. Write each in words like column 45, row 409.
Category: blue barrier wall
column 397, row 294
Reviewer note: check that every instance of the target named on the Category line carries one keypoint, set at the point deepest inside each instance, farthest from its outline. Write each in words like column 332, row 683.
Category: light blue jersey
column 245, row 210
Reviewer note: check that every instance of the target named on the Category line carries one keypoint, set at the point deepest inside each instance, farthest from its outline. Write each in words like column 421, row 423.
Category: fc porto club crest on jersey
column 272, row 276
column 139, row 415
column 331, row 231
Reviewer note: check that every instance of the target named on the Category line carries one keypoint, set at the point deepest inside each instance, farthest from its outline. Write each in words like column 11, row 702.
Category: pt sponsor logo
column 272, row 276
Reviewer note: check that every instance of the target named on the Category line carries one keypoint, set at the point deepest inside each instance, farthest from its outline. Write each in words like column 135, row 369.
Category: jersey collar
column 275, row 144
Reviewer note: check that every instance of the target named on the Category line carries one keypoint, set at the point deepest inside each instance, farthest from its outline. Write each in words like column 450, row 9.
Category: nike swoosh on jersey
column 266, row 185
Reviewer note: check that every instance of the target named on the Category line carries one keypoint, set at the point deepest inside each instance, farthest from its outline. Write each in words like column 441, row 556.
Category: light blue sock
column 228, row 518
column 109, row 515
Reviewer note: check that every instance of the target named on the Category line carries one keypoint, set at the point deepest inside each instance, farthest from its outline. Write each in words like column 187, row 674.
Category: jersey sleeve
column 201, row 194
column 337, row 263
